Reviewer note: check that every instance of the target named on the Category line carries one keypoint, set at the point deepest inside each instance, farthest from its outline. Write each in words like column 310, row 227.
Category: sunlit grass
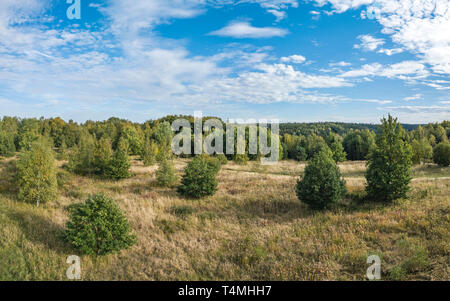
column 254, row 228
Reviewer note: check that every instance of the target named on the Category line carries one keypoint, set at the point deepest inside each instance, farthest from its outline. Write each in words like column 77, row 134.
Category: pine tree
column 120, row 164
column 199, row 179
column 81, row 159
column 37, row 174
column 322, row 184
column 166, row 174
column 98, row 226
column 149, row 153
column 102, row 156
column 389, row 167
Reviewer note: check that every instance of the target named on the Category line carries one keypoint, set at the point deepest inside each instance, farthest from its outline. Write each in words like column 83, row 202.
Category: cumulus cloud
column 421, row 27
column 241, row 30
column 412, row 69
column 296, row 59
column 368, row 43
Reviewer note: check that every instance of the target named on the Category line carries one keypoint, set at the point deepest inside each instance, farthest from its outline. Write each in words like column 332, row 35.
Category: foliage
column 166, row 175
column 199, row 179
column 119, row 166
column 441, row 154
column 357, row 144
column 422, row 151
column 389, row 167
column 149, row 152
column 98, row 226
column 37, row 174
column 322, row 184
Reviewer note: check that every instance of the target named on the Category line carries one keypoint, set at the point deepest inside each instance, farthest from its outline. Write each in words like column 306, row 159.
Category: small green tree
column 98, row 226
column 37, row 174
column 389, row 166
column 7, row 146
column 322, row 184
column 199, row 179
column 441, row 154
column 119, row 165
column 149, row 153
column 81, row 159
column 422, row 151
column 166, row 175
column 103, row 154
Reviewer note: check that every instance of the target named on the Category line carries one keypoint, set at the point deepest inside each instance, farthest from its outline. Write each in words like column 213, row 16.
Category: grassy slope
column 254, row 228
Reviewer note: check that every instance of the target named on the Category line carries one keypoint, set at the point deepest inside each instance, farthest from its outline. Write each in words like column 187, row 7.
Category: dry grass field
column 254, row 228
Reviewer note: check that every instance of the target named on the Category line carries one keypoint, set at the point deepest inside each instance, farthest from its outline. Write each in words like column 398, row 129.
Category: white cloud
column 414, row 97
column 296, row 59
column 340, row 64
column 243, row 30
column 421, row 27
column 413, row 69
column 390, row 52
column 368, row 43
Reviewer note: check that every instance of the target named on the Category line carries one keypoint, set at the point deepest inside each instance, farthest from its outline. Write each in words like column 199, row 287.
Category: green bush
column 98, row 226
column 166, row 175
column 389, row 167
column 240, row 159
column 441, row 154
column 36, row 174
column 199, row 179
column 322, row 184
column 222, row 159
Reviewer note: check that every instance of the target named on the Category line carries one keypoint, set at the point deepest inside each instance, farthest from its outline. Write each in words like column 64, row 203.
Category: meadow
column 253, row 228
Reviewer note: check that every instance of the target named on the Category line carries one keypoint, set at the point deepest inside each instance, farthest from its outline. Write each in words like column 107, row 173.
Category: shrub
column 199, row 179
column 36, row 174
column 240, row 159
column 322, row 183
column 98, row 226
column 222, row 159
column 441, row 154
column 166, row 175
column 389, row 166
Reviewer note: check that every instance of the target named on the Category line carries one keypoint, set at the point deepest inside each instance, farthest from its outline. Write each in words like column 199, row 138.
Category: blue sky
column 294, row 60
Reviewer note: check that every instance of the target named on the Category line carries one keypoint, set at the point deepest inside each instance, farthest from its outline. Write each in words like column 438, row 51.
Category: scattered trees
column 37, row 174
column 389, row 166
column 199, row 179
column 441, row 154
column 98, row 226
column 322, row 184
column 149, row 153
